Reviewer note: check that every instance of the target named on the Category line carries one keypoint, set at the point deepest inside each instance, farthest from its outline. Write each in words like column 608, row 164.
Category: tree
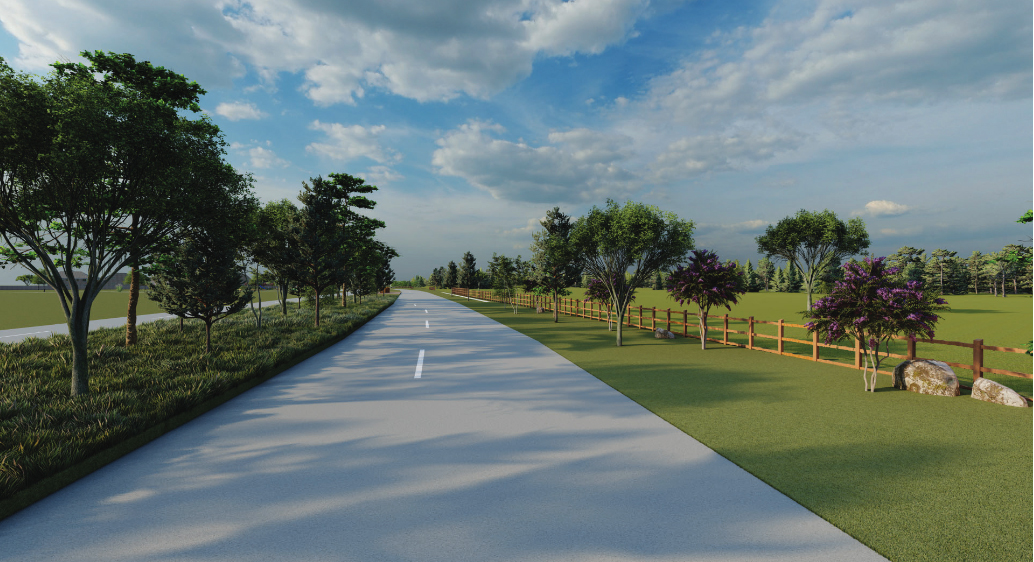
column 97, row 174
column 766, row 271
column 271, row 247
column 27, row 279
column 468, row 272
column 937, row 263
column 975, row 265
column 830, row 275
column 437, row 278
column 507, row 277
column 707, row 282
column 872, row 305
column 779, row 280
column 751, row 278
column 201, row 279
column 793, row 278
column 909, row 262
column 956, row 277
column 451, row 275
column 812, row 240
column 419, row 281
column 556, row 261
column 360, row 229
column 609, row 241
column 316, row 239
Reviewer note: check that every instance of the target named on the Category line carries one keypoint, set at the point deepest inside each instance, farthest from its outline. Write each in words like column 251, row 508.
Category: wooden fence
column 646, row 319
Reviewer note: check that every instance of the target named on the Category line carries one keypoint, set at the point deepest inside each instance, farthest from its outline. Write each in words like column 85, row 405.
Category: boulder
column 661, row 334
column 926, row 377
column 538, row 310
column 991, row 391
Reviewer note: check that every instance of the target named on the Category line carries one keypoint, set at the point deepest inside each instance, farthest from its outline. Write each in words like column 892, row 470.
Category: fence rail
column 601, row 312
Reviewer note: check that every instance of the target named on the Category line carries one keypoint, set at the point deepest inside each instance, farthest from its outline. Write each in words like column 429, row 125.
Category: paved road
column 18, row 334
column 501, row 450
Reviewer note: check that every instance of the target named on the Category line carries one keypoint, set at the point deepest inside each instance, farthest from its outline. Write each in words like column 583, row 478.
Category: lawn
column 914, row 477
column 1002, row 322
column 23, row 309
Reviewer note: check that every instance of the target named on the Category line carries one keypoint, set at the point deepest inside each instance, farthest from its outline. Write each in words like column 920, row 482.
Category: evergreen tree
column 658, row 283
column 766, row 272
column 793, row 278
column 956, row 276
column 975, row 265
column 778, row 283
column 468, row 272
column 451, row 275
column 753, row 283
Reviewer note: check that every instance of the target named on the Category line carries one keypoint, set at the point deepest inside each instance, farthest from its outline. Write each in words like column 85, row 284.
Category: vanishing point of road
column 432, row 433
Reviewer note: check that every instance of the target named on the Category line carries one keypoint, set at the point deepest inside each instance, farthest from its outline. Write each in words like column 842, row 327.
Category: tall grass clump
column 44, row 430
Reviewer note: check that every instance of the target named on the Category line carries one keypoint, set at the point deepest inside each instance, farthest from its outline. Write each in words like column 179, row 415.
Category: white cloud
column 531, row 226
column 580, row 166
column 351, row 142
column 885, row 208
column 239, row 110
column 693, row 156
column 265, row 158
column 381, row 175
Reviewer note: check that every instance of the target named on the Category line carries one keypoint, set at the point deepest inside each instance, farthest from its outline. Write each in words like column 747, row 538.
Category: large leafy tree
column 707, row 282
column 508, row 276
column 97, row 175
column 811, row 240
column 555, row 257
column 599, row 291
column 201, row 279
column 612, row 240
column 271, row 247
column 937, row 265
column 872, row 305
column 316, row 239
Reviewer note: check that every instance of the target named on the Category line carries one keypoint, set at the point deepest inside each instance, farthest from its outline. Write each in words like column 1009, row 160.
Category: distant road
column 18, row 334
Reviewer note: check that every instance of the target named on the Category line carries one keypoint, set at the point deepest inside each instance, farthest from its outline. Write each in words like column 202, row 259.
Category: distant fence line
column 597, row 311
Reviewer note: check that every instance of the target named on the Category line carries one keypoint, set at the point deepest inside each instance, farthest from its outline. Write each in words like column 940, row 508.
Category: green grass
column 913, row 477
column 23, row 309
column 48, row 438
column 999, row 322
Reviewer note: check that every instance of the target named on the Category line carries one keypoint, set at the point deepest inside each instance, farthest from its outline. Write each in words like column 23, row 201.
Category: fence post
column 685, row 324
column 640, row 317
column 857, row 353
column 911, row 349
column 653, row 322
column 978, row 359
column 815, row 345
column 725, row 329
column 780, row 338
column 668, row 328
column 750, row 333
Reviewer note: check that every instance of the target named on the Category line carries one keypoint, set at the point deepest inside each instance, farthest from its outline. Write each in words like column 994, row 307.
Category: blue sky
column 474, row 117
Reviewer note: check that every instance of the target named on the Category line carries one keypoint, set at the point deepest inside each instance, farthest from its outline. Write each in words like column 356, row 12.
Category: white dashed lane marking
column 419, row 364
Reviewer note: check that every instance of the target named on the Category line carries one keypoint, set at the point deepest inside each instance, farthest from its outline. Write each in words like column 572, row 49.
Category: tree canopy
column 556, row 261
column 810, row 240
column 612, row 240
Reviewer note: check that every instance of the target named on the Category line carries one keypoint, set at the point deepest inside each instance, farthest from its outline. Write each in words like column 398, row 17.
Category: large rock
column 990, row 391
column 661, row 334
column 538, row 310
column 926, row 377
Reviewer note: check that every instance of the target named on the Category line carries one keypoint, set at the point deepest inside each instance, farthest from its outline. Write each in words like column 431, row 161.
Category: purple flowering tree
column 598, row 291
column 707, row 282
column 871, row 306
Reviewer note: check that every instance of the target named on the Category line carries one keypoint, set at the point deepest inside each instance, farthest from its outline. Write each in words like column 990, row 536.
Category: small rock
column 538, row 310
column 991, row 391
column 926, row 377
column 661, row 333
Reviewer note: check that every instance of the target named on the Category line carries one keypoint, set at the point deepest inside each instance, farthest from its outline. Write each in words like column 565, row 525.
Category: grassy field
column 22, row 309
column 913, row 477
column 49, row 439
column 1002, row 322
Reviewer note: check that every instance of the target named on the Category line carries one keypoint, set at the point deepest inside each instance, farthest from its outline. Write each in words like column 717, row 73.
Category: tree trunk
column 208, row 335
column 134, row 288
column 556, row 315
column 621, row 317
column 344, row 296
column 78, row 330
column 181, row 323
column 282, row 297
column 317, row 309
column 703, row 332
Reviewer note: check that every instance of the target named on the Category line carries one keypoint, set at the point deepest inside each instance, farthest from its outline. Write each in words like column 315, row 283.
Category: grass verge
column 49, row 439
column 913, row 477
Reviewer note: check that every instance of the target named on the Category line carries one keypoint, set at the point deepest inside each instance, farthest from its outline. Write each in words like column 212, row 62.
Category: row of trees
column 102, row 167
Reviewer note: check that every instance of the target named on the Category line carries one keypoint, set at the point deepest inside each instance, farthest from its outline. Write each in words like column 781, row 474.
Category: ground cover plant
column 25, row 309
column 44, row 431
column 913, row 477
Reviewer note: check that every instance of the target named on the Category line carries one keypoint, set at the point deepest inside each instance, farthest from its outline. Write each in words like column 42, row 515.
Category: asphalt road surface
column 499, row 450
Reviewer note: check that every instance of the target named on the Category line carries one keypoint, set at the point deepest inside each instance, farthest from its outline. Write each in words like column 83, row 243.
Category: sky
column 475, row 117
